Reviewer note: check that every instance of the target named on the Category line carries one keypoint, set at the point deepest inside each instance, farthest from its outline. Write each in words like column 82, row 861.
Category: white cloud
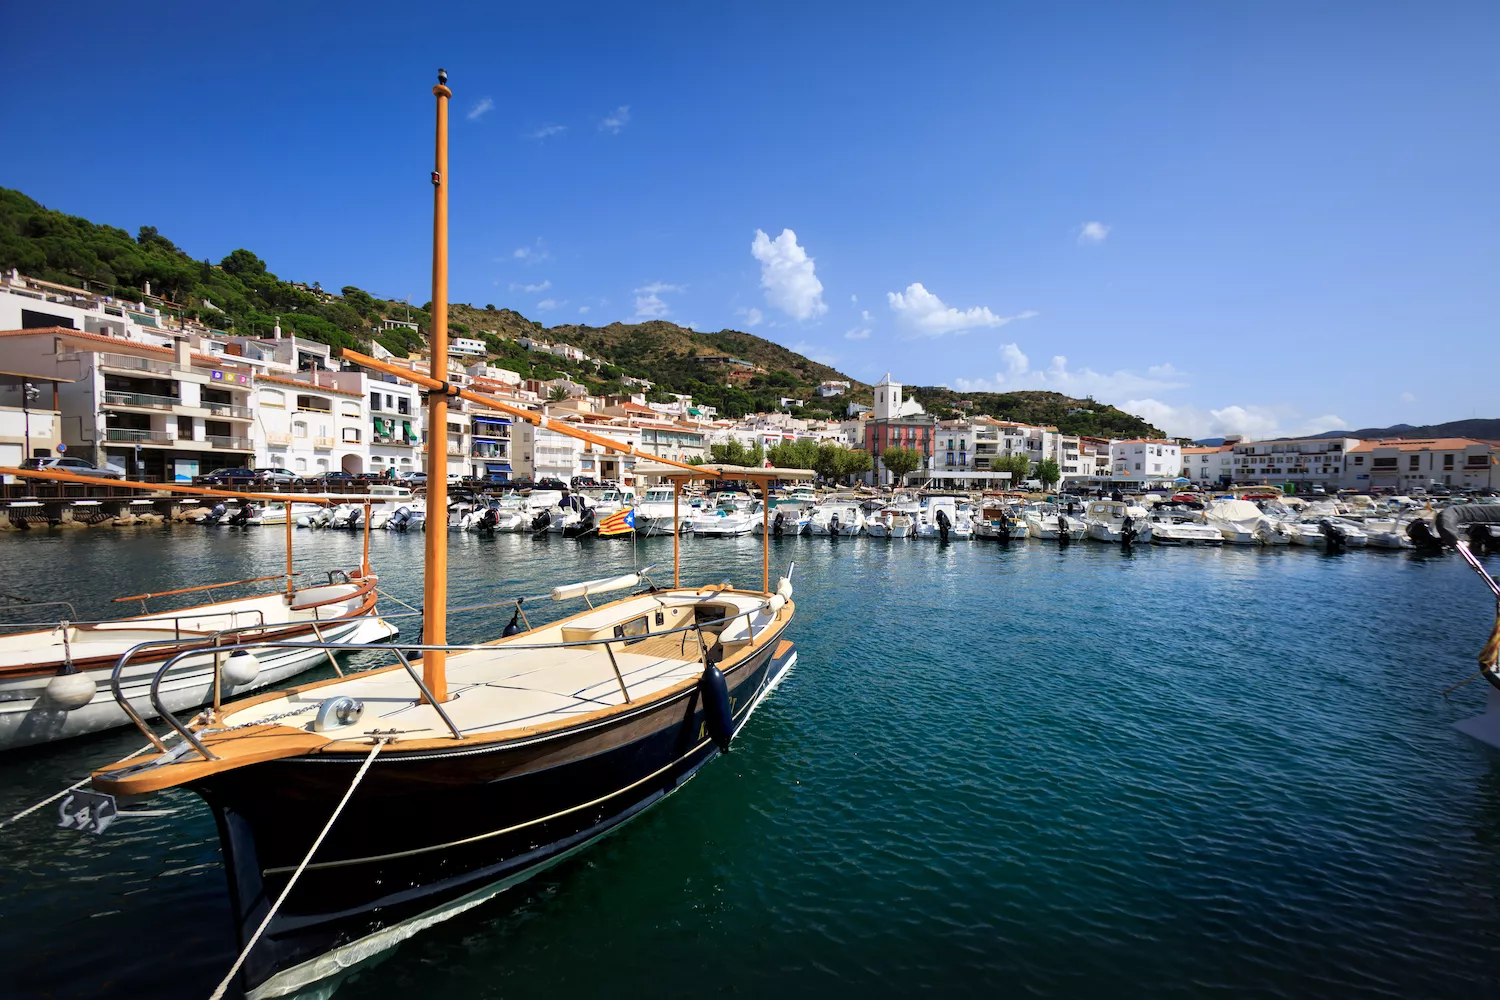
column 1250, row 421
column 551, row 304
column 813, row 352
column 854, row 299
column 483, row 107
column 547, row 132
column 858, row 333
column 533, row 254
column 1058, row 377
column 531, row 288
column 754, row 317
column 1407, row 397
column 786, row 273
column 616, row 120
column 864, row 315
column 582, row 310
column 649, row 303
column 1093, row 232
column 925, row 314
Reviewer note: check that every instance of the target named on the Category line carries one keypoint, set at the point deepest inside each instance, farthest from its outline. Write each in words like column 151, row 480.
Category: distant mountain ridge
column 1478, row 428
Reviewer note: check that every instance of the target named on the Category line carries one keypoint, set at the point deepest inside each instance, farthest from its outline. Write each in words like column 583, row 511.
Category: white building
column 1459, row 463
column 1295, row 462
column 1145, row 460
column 568, row 351
column 1209, row 466
column 494, row 374
column 831, row 388
column 310, row 427
column 467, row 347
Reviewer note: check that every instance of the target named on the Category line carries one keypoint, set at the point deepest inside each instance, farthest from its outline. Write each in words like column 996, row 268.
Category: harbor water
column 1022, row 770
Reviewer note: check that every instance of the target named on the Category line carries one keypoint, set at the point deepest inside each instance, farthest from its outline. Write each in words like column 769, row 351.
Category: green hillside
column 1069, row 415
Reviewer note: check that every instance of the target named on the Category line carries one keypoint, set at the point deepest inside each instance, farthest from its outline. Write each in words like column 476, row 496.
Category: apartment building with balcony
column 154, row 412
column 1459, row 463
column 489, row 444
column 30, row 424
column 542, row 453
column 1144, row 461
column 1209, row 466
column 310, row 426
column 1296, row 462
column 396, row 421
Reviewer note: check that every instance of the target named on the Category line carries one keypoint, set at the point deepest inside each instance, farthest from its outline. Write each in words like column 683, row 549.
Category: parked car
column 226, row 477
column 330, row 478
column 412, row 478
column 551, row 484
column 277, row 477
column 585, row 483
column 518, row 483
column 77, row 466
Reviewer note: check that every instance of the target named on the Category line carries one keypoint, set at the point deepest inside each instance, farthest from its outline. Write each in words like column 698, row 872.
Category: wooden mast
column 435, row 582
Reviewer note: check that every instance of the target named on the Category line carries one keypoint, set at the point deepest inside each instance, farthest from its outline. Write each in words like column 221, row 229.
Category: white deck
column 507, row 688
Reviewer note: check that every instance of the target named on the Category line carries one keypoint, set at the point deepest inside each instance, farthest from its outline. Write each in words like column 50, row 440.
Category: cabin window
column 632, row 631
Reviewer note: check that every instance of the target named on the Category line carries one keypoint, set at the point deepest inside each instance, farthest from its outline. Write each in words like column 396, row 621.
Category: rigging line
column 392, row 597
column 71, row 788
column 235, row 968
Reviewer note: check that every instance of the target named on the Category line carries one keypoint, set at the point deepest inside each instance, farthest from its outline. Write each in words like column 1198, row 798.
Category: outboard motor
column 216, row 514
column 943, row 524
column 400, row 520
column 1423, row 536
column 778, row 523
column 540, row 522
column 1063, row 538
column 1005, row 529
column 354, row 517
column 488, row 520
column 1334, row 538
column 1127, row 531
column 833, row 525
column 1484, row 538
column 241, row 517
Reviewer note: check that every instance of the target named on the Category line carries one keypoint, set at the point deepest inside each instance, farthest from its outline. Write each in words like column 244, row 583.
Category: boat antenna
column 435, row 581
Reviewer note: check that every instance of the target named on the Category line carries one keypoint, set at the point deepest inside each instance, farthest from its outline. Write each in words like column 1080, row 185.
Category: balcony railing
column 278, row 439
column 497, row 456
column 323, row 442
column 133, row 363
column 226, row 441
column 229, row 410
column 140, row 399
column 135, row 436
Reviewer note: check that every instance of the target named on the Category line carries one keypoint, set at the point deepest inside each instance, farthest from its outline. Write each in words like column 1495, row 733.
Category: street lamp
column 29, row 394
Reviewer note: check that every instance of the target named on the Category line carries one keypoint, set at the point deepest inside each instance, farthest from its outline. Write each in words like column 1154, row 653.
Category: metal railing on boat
column 403, row 653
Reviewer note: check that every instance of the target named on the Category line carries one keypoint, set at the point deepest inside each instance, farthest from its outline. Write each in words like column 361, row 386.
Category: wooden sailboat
column 354, row 812
column 70, row 678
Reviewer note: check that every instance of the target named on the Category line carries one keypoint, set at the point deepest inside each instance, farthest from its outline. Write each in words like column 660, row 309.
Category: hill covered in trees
column 1034, row 406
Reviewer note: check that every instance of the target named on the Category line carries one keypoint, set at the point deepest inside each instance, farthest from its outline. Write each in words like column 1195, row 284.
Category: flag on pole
column 618, row 523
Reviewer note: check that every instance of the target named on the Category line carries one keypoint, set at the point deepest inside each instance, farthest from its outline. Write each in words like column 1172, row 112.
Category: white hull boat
column 41, row 702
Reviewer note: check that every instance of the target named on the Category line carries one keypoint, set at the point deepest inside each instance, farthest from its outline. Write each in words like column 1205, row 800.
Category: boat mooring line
column 244, row 953
column 71, row 788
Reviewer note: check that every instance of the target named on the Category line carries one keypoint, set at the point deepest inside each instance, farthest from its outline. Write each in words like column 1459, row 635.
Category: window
column 374, row 400
column 351, row 435
column 1383, row 463
column 348, row 408
column 273, row 397
column 1359, row 460
column 1447, row 462
column 1415, row 463
column 301, row 465
column 299, row 428
column 1138, row 467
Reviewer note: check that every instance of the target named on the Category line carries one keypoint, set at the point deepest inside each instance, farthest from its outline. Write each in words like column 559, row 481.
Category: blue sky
column 1272, row 218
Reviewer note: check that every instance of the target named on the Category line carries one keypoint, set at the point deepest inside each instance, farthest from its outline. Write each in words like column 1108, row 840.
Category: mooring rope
column 71, row 788
column 235, row 968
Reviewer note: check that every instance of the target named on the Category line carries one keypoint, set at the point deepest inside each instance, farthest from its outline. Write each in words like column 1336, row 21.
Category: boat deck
column 500, row 689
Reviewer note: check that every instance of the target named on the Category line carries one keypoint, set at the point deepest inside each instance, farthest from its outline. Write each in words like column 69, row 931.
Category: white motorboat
column 941, row 512
column 891, row 522
column 1117, row 522
column 510, row 514
column 318, row 518
column 1308, row 533
column 1388, row 533
column 1177, row 525
column 837, row 517
column 654, row 515
column 732, row 514
column 789, row 519
column 408, row 516
column 1239, row 521
column 1049, row 523
column 1001, row 522
column 275, row 513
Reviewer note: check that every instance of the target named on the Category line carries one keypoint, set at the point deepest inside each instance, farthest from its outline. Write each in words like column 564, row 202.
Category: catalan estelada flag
column 621, row 522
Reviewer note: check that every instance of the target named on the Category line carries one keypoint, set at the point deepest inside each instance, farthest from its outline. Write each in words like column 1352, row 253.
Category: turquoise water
column 1018, row 771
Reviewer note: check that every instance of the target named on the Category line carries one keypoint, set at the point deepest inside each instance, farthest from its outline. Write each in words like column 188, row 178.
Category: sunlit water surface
column 1012, row 771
